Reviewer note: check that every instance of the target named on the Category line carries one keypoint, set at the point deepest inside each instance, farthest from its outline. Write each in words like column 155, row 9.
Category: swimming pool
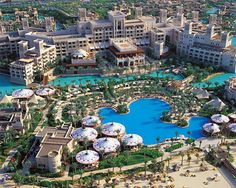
column 7, row 87
column 219, row 79
column 234, row 41
column 92, row 79
column 212, row 10
column 144, row 119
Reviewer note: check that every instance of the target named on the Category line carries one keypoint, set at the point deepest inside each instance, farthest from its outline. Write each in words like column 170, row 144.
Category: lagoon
column 144, row 119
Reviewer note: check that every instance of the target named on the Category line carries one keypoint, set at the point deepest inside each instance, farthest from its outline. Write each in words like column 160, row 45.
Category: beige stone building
column 52, row 140
column 31, row 60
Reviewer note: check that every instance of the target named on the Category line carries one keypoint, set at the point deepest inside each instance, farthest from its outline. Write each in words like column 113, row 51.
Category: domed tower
column 54, row 161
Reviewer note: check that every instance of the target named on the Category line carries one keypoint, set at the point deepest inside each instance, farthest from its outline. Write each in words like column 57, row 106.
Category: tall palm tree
column 182, row 154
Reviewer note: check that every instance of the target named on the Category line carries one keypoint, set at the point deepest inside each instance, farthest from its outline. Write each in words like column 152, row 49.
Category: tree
column 182, row 154
column 189, row 159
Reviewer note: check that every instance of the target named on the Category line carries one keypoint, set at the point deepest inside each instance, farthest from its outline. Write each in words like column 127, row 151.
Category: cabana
column 132, row 141
column 83, row 133
column 219, row 118
column 106, row 145
column 88, row 159
column 113, row 129
column 211, row 129
column 91, row 121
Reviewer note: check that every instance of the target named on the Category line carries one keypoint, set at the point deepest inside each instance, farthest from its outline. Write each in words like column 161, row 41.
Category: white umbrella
column 106, row 145
column 232, row 127
column 132, row 139
column 45, row 91
column 211, row 128
column 91, row 121
column 22, row 93
column 87, row 157
column 219, row 118
column 82, row 133
column 113, row 129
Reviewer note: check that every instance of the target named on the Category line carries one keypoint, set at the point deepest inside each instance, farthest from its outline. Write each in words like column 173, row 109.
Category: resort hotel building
column 207, row 47
column 118, row 38
column 31, row 60
column 230, row 90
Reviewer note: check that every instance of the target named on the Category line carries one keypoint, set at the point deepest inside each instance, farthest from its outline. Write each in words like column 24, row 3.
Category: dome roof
column 113, row 129
column 45, row 91
column 219, row 118
column 106, row 145
column 80, row 53
column 132, row 139
column 211, row 128
column 83, row 133
column 87, row 157
column 232, row 127
column 22, row 93
column 91, row 121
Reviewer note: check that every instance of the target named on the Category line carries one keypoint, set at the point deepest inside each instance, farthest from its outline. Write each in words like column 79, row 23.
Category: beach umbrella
column 232, row 127
column 219, row 118
column 113, row 129
column 22, row 93
column 211, row 128
column 106, row 145
column 84, row 133
column 87, row 157
column 45, row 91
column 132, row 139
column 91, row 121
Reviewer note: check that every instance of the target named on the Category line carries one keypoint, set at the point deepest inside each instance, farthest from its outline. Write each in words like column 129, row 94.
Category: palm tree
column 158, row 138
column 189, row 133
column 228, row 150
column 189, row 159
column 182, row 154
column 176, row 134
column 168, row 162
column 200, row 144
column 145, row 168
column 197, row 156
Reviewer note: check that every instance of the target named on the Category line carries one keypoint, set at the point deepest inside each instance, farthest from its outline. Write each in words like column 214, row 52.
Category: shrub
column 174, row 147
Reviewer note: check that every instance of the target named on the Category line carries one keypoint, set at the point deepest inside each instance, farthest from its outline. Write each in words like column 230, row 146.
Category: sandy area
column 181, row 181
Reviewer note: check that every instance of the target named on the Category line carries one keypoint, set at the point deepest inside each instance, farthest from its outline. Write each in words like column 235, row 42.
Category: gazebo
column 83, row 133
column 91, row 121
column 106, row 145
column 211, row 128
column 219, row 118
column 22, row 93
column 88, row 158
column 43, row 92
column 232, row 128
column 132, row 141
column 113, row 129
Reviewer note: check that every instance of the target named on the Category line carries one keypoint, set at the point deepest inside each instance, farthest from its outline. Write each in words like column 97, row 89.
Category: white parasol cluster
column 87, row 157
column 91, row 121
column 132, row 139
column 232, row 127
column 113, row 129
column 22, row 93
column 219, row 118
column 45, row 91
column 211, row 128
column 85, row 133
column 106, row 145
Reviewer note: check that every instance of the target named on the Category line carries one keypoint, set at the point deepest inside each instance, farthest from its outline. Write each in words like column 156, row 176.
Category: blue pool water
column 83, row 79
column 7, row 87
column 234, row 41
column 144, row 119
column 212, row 10
column 219, row 78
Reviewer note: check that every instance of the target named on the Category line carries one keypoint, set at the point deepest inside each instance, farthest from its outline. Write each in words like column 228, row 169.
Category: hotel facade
column 193, row 40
